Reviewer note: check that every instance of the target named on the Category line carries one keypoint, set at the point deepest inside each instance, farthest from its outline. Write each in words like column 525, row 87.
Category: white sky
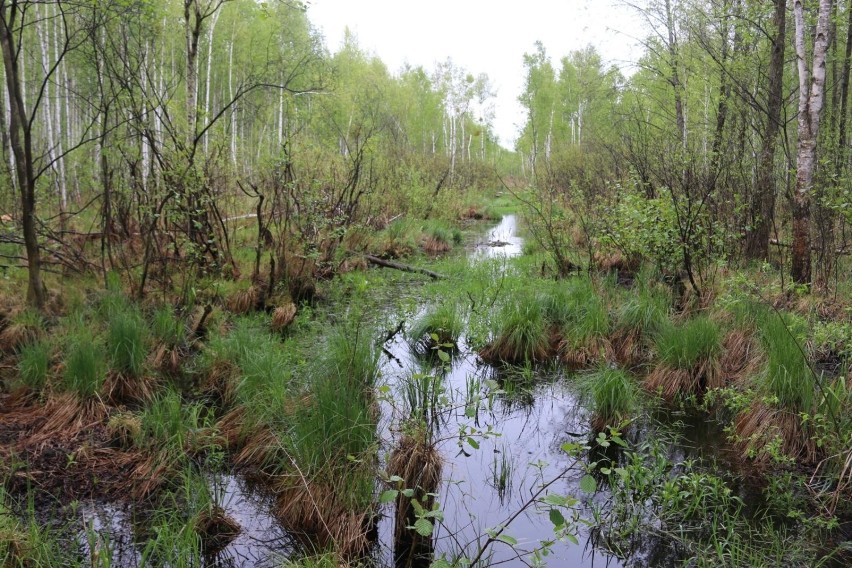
column 483, row 36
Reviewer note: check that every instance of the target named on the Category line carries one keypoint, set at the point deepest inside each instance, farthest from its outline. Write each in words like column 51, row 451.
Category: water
column 260, row 543
column 481, row 488
column 474, row 495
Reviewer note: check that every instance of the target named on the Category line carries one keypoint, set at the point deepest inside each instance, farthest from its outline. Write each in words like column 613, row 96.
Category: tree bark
column 763, row 199
column 21, row 143
column 811, row 98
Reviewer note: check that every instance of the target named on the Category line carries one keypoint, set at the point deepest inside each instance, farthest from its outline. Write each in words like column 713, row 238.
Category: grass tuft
column 444, row 322
column 34, row 364
column 523, row 332
column 613, row 393
column 85, row 366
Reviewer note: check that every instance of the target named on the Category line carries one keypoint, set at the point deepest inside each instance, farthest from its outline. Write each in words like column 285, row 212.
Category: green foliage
column 126, row 342
column 645, row 311
column 168, row 328
column 683, row 346
column 787, row 377
column 34, row 364
column 336, row 429
column 168, row 422
column 85, row 365
column 576, row 307
column 522, row 330
column 642, row 227
column 612, row 392
column 444, row 321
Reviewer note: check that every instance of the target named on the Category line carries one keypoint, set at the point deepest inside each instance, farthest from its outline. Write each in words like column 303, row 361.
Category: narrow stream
column 481, row 487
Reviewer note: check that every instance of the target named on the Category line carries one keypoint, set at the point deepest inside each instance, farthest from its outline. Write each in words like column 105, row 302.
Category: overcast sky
column 483, row 36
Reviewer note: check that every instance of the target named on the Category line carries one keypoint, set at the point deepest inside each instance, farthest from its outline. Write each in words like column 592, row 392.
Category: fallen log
column 404, row 267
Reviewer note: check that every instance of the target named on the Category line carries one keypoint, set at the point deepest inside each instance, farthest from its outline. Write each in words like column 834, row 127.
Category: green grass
column 787, row 375
column 522, row 330
column 34, row 364
column 613, row 393
column 168, row 328
column 85, row 365
column 126, row 342
column 645, row 310
column 167, row 422
column 683, row 346
column 337, row 425
column 444, row 321
column 578, row 309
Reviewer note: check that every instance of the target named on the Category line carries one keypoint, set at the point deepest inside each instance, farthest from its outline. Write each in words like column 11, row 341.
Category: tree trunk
column 811, row 97
column 763, row 198
column 21, row 144
column 674, row 79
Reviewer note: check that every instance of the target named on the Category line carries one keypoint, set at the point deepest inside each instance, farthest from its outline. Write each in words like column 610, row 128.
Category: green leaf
column 408, row 493
column 511, row 541
column 572, row 538
column 557, row 518
column 588, row 484
column 443, row 356
column 440, row 563
column 388, row 496
column 473, row 443
column 423, row 527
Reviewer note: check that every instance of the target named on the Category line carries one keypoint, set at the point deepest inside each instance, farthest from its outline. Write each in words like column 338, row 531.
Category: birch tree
column 811, row 99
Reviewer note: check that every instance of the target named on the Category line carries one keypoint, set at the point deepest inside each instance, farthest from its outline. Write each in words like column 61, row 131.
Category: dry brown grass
column 168, row 360
column 244, row 301
column 215, row 529
column 314, row 514
column 220, row 381
column 628, row 350
column 741, row 358
column 120, row 388
column 419, row 464
column 762, row 425
column 66, row 416
column 283, row 316
column 670, row 382
column 16, row 336
column 615, row 260
column 587, row 355
column 124, row 428
column 434, row 247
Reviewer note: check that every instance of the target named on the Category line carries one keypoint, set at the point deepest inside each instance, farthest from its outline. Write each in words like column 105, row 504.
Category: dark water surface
column 529, row 428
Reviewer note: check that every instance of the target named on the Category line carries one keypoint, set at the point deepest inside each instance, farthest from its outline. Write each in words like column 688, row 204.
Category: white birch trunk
column 811, row 97
column 215, row 18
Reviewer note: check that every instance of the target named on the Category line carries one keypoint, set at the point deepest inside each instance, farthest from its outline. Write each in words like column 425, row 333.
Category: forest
column 264, row 303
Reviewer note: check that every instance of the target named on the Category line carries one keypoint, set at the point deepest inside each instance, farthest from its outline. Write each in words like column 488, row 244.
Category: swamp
column 267, row 302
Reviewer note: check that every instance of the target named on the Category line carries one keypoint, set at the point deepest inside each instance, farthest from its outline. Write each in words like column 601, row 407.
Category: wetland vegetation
column 265, row 305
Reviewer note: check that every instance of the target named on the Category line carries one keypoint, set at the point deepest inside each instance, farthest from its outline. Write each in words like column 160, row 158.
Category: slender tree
column 811, row 98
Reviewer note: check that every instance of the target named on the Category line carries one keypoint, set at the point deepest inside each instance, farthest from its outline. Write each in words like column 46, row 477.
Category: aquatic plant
column 613, row 394
column 441, row 325
column 523, row 332
column 687, row 358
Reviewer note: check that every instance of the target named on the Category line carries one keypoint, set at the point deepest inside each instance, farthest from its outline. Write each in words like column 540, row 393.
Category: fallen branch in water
column 404, row 267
